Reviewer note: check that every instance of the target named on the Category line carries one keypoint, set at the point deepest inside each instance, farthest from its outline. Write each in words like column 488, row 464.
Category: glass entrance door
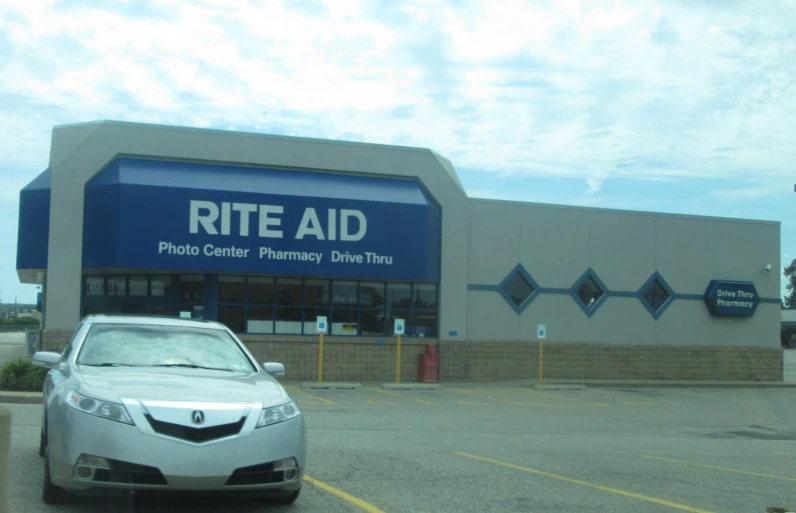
column 192, row 296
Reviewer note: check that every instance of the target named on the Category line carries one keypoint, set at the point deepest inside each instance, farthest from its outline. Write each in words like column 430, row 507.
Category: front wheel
column 50, row 493
column 287, row 499
column 42, row 443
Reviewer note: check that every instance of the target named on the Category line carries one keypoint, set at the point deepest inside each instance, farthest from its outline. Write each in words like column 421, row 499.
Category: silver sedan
column 148, row 403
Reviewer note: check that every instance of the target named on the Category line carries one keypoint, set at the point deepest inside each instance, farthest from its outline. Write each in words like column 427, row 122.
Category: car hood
column 116, row 384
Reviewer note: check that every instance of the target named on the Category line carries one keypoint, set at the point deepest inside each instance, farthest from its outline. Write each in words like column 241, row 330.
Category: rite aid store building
column 268, row 233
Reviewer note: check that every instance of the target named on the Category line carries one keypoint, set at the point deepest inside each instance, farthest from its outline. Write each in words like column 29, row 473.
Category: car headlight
column 104, row 409
column 277, row 414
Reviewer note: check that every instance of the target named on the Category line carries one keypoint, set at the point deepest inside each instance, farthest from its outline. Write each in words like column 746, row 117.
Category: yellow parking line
column 356, row 501
column 421, row 401
column 371, row 401
column 515, row 403
column 460, row 402
column 317, row 398
column 563, row 397
column 634, row 495
column 507, row 401
column 399, row 395
column 716, row 467
column 735, row 399
column 643, row 399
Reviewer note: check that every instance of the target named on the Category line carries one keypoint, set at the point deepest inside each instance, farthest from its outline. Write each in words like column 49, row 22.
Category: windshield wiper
column 189, row 366
column 107, row 364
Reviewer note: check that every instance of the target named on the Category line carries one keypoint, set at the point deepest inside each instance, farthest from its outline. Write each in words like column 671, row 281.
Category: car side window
column 67, row 351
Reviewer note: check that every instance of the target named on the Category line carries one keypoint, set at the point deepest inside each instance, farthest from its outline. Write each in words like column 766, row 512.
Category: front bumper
column 144, row 460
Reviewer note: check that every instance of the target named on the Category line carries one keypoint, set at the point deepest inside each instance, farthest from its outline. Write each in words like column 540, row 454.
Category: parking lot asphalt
column 513, row 450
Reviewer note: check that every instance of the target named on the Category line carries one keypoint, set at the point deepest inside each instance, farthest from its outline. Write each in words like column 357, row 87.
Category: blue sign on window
column 731, row 298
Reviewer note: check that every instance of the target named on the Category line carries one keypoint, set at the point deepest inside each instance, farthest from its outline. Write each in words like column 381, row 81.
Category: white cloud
column 598, row 90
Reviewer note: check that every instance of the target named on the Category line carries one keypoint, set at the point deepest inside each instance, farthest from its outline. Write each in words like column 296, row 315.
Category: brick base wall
column 362, row 359
column 482, row 361
column 55, row 340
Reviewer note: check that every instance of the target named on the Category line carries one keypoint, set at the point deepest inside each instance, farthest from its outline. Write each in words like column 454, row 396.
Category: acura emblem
column 198, row 417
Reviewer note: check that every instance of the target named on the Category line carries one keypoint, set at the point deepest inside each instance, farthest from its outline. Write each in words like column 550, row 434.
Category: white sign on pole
column 541, row 331
column 185, row 315
column 320, row 324
column 399, row 327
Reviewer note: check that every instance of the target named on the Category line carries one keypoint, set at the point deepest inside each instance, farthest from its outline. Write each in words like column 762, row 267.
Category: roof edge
column 218, row 131
column 625, row 211
column 447, row 165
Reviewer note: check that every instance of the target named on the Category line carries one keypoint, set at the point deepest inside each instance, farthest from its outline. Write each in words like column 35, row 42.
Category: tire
column 51, row 494
column 42, row 443
column 287, row 499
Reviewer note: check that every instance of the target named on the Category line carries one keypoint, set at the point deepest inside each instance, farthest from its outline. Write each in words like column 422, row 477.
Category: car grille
column 255, row 475
column 129, row 473
column 195, row 435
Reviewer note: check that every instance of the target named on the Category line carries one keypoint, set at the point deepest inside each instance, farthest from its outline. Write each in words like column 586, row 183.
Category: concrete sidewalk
column 20, row 397
column 620, row 383
column 593, row 383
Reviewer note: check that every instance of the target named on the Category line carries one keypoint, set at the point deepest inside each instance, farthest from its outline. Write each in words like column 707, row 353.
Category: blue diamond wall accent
column 656, row 295
column 589, row 292
column 518, row 288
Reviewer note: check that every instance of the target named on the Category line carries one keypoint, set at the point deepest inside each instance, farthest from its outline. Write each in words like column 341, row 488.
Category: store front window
column 290, row 306
column 270, row 305
column 136, row 294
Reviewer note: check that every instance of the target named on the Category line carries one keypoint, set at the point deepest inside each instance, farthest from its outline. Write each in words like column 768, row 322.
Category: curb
column 412, row 386
column 330, row 386
column 20, row 398
column 751, row 385
column 559, row 387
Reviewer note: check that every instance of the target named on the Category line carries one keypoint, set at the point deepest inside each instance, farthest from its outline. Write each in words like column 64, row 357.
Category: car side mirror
column 274, row 369
column 46, row 359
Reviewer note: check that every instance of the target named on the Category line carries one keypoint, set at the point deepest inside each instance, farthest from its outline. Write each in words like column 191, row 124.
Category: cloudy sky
column 685, row 106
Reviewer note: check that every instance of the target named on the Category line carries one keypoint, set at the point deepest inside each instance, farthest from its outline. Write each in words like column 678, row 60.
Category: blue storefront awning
column 147, row 214
column 34, row 224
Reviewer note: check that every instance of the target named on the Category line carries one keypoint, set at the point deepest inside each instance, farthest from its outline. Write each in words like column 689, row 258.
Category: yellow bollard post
column 541, row 361
column 5, row 459
column 398, row 361
column 320, row 360
column 320, row 328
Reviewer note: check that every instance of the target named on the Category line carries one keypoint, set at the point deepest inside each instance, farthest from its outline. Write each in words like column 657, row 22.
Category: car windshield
column 135, row 345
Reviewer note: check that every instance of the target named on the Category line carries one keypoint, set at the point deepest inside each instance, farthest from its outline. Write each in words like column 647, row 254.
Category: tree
column 790, row 274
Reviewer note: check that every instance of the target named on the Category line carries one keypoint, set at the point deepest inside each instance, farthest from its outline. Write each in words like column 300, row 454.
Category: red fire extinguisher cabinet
column 428, row 366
